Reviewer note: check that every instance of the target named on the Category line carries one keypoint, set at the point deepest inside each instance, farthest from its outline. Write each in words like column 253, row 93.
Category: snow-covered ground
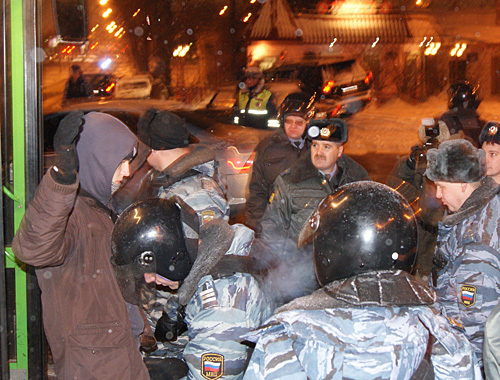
column 391, row 128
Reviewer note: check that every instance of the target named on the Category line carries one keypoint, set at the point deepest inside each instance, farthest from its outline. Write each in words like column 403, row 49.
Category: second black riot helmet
column 148, row 238
column 297, row 104
column 463, row 95
column 363, row 226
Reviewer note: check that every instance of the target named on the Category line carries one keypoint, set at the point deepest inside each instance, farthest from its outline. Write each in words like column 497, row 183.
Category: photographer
column 407, row 177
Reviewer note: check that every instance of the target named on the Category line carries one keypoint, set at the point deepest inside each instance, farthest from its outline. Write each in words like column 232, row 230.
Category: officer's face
column 295, row 127
column 324, row 154
column 492, row 160
column 452, row 195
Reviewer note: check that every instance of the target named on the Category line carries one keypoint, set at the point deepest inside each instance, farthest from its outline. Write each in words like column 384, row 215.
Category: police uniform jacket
column 223, row 306
column 467, row 262
column 274, row 154
column 371, row 326
column 299, row 190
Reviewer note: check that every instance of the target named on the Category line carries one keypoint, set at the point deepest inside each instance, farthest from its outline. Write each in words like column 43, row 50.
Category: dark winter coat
column 296, row 194
column 274, row 155
column 299, row 190
column 464, row 119
column 66, row 235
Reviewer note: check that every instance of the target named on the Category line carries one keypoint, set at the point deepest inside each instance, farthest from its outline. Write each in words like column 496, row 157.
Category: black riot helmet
column 297, row 104
column 362, row 227
column 148, row 238
column 463, row 95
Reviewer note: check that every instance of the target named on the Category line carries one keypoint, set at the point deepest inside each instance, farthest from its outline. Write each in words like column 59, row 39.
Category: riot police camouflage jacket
column 371, row 326
column 467, row 262
column 193, row 178
column 222, row 308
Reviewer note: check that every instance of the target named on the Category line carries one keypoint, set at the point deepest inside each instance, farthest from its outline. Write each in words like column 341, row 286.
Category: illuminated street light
column 458, row 50
column 223, row 10
column 376, row 42
column 136, row 12
column 433, row 48
column 333, row 42
column 94, row 28
column 181, row 50
column 247, row 17
column 103, row 2
column 107, row 12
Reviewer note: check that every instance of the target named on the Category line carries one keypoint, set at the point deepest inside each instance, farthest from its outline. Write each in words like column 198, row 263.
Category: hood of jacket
column 476, row 201
column 103, row 143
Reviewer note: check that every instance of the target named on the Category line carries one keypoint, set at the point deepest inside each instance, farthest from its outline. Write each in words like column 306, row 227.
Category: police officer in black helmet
column 215, row 292
column 462, row 117
column 371, row 319
column 278, row 152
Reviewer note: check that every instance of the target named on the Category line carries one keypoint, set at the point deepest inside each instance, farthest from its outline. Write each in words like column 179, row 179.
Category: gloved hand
column 66, row 165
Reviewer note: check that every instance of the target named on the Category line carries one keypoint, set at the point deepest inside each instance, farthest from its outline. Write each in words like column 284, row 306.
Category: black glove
column 66, row 165
column 167, row 330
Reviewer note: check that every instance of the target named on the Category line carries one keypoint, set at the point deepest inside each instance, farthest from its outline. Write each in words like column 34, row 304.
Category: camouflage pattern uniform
column 221, row 310
column 348, row 331
column 202, row 193
column 467, row 262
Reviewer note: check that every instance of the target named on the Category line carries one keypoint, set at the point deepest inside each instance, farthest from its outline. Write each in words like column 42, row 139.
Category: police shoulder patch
column 207, row 216
column 212, row 366
column 468, row 295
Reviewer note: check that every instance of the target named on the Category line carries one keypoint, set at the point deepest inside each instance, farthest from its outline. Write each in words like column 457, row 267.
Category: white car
column 134, row 87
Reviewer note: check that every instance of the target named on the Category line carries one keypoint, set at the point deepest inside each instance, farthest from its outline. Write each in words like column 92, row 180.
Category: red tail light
column 327, row 88
column 240, row 167
column 368, row 78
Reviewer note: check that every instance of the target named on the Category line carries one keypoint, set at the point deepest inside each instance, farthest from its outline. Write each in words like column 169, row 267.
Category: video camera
column 429, row 134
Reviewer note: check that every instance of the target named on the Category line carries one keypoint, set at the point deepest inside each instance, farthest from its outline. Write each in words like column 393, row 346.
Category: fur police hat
column 456, row 161
column 327, row 129
column 490, row 133
column 162, row 130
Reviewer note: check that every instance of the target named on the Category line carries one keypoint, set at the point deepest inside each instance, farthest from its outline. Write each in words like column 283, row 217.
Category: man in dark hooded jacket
column 66, row 235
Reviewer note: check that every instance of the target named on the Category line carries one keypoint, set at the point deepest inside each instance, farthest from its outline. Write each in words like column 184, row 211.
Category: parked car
column 103, row 85
column 342, row 86
column 234, row 144
column 134, row 87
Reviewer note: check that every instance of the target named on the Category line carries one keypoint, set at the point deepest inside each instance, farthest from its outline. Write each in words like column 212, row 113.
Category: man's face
column 324, row 154
column 295, row 127
column 492, row 160
column 251, row 80
column 122, row 171
column 452, row 195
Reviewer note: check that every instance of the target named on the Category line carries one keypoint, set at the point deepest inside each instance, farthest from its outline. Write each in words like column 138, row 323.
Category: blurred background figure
column 278, row 152
column 407, row 177
column 489, row 140
column 491, row 347
column 76, row 86
column 463, row 100
column 254, row 103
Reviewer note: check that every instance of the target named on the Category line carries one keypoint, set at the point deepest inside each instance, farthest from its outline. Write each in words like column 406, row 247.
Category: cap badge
column 325, row 132
column 492, row 130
